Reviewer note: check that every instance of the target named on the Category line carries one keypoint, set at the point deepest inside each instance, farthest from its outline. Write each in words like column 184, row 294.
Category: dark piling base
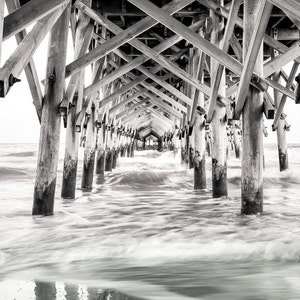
column 237, row 151
column 283, row 160
column 132, row 150
column 100, row 164
column 88, row 171
column 115, row 158
column 123, row 151
column 191, row 158
column 219, row 179
column 43, row 200
column 108, row 161
column 199, row 174
column 69, row 179
column 252, row 203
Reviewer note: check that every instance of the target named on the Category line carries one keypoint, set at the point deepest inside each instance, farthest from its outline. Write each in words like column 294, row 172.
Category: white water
column 144, row 233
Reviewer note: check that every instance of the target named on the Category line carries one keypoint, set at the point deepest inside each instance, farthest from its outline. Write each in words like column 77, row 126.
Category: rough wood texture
column 30, row 69
column 29, row 13
column 281, row 134
column 89, row 153
column 44, row 190
column 1, row 25
column 218, row 125
column 23, row 53
column 252, row 126
column 72, row 137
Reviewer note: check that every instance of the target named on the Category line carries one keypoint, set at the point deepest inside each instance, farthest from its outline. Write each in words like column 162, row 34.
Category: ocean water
column 144, row 233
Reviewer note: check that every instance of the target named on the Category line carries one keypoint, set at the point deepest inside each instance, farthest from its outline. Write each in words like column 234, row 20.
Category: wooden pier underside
column 192, row 75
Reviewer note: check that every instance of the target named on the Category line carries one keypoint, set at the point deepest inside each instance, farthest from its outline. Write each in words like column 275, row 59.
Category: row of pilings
column 105, row 140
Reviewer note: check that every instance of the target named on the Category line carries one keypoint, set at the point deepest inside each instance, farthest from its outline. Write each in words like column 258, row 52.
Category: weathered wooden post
column 72, row 137
column 100, row 160
column 89, row 152
column 108, row 151
column 252, row 115
column 236, row 139
column 281, row 134
column 44, row 190
column 218, row 123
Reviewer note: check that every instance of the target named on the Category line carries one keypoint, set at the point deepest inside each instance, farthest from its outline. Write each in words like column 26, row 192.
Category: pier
column 194, row 77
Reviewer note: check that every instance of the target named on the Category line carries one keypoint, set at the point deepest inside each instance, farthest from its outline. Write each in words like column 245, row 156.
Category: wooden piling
column 72, row 137
column 218, row 124
column 100, row 160
column 89, row 153
column 252, row 126
column 44, row 190
column 281, row 133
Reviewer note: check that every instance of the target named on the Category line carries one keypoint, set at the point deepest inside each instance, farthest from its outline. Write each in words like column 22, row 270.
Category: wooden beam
column 121, row 38
column 85, row 36
column 126, row 101
column 131, row 108
column 150, row 74
column 279, row 61
column 30, row 70
column 145, row 49
column 136, row 113
column 235, row 5
column 29, row 13
column 21, row 56
column 280, row 107
column 252, row 52
column 269, row 107
column 157, row 101
column 292, row 7
column 143, row 58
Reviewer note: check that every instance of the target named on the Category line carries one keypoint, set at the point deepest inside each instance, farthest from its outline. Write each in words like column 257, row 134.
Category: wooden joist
column 143, row 58
column 145, row 49
column 291, row 7
column 127, row 100
column 29, row 13
column 280, row 107
column 121, row 38
column 23, row 53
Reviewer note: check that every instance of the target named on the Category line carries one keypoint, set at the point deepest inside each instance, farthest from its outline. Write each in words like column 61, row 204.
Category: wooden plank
column 280, row 107
column 44, row 189
column 235, row 5
column 145, row 49
column 30, row 70
column 21, row 56
column 29, row 13
column 253, row 49
column 279, row 61
column 121, row 38
column 236, row 47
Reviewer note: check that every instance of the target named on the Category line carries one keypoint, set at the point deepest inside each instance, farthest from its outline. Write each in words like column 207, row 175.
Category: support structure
column 44, row 190
column 252, row 126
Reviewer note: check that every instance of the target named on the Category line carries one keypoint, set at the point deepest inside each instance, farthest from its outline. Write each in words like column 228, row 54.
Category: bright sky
column 19, row 122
